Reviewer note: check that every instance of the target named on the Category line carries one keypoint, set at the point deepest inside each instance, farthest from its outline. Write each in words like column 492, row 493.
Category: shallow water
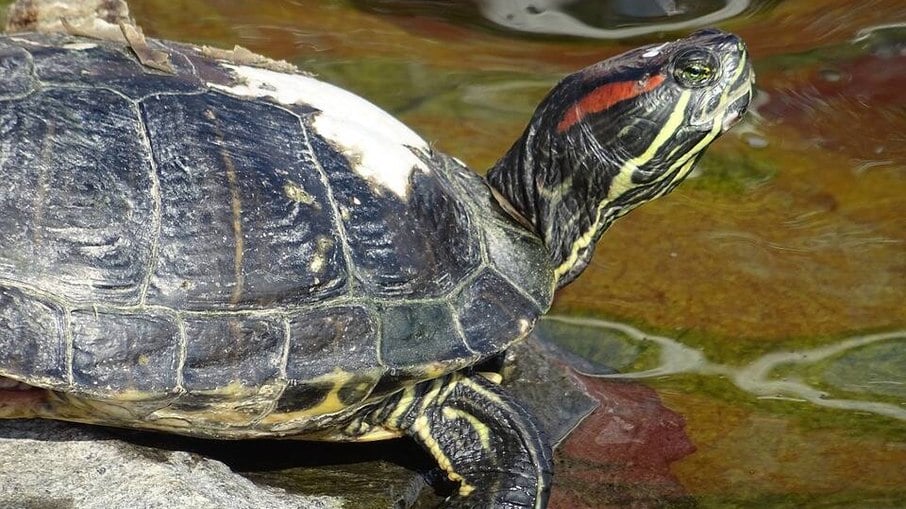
column 764, row 301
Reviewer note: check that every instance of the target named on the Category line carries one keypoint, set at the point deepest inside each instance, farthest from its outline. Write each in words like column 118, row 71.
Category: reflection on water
column 608, row 20
column 878, row 374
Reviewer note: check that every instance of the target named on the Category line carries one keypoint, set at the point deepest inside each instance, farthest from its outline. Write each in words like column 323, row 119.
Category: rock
column 538, row 376
column 51, row 465
column 620, row 455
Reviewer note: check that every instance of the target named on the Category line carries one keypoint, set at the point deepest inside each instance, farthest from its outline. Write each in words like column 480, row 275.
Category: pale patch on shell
column 297, row 193
column 653, row 52
column 378, row 147
column 80, row 46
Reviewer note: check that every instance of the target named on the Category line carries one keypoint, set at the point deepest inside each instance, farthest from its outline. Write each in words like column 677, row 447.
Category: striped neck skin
column 618, row 134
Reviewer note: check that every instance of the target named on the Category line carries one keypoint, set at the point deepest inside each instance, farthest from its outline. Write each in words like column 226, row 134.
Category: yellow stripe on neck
column 622, row 181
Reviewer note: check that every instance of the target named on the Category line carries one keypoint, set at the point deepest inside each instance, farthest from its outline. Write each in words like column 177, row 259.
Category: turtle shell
column 231, row 250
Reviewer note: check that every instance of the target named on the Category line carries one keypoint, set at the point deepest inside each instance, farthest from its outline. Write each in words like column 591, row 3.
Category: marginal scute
column 303, row 396
column 32, row 344
column 226, row 350
column 331, row 343
column 493, row 314
column 356, row 389
column 418, row 334
column 332, row 395
column 124, row 353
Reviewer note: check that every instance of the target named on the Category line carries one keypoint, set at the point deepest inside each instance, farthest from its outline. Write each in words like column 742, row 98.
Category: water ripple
column 754, row 377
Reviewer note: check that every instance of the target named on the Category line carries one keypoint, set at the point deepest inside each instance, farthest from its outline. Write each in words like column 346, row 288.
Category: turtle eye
column 696, row 68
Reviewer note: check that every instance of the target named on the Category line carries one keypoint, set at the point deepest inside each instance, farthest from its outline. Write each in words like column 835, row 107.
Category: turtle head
column 619, row 133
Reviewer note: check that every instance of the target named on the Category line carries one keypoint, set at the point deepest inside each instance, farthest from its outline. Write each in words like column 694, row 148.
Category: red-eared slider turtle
column 214, row 248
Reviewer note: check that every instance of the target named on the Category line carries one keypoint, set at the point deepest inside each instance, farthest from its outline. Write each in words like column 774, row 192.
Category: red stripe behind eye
column 606, row 96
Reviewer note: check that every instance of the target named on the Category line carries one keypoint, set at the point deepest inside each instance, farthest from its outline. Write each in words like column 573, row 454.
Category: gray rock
column 50, row 465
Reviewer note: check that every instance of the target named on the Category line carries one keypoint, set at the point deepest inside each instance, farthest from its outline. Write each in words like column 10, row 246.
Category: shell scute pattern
column 59, row 63
column 230, row 233
column 229, row 349
column 133, row 353
column 493, row 313
column 270, row 283
column 75, row 221
column 416, row 334
column 31, row 338
column 418, row 248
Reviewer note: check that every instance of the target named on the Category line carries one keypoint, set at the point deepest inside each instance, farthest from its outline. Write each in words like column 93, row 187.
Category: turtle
column 217, row 245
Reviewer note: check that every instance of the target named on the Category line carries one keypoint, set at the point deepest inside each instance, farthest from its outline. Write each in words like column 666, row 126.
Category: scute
column 330, row 340
column 246, row 221
column 513, row 251
column 75, row 220
column 32, row 344
column 493, row 313
column 124, row 353
column 417, row 334
column 415, row 248
column 225, row 350
column 103, row 65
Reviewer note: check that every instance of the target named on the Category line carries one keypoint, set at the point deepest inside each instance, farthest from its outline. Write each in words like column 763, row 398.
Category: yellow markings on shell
column 17, row 411
column 423, row 430
column 622, row 181
column 127, row 408
column 319, row 258
column 297, row 193
column 331, row 403
column 483, row 432
column 134, row 395
column 171, row 423
column 234, row 404
column 435, row 370
column 232, row 177
column 317, row 263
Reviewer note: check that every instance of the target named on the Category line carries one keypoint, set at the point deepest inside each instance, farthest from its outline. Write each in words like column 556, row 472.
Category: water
column 764, row 302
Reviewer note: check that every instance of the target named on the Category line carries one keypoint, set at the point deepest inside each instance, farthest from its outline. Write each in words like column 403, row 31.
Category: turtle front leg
column 480, row 436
